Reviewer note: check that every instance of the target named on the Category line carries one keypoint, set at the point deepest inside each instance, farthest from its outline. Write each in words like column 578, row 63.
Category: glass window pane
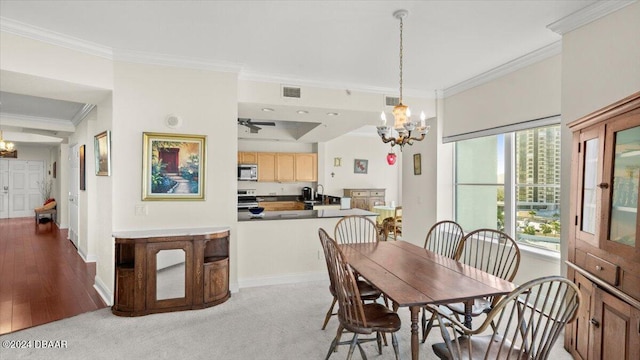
column 538, row 186
column 538, row 222
column 626, row 172
column 480, row 206
column 590, row 178
column 477, row 160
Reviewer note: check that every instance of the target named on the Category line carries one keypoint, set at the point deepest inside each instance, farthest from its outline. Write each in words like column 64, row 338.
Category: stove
column 247, row 199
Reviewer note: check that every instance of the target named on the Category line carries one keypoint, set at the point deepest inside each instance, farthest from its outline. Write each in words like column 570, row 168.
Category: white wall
column 143, row 96
column 380, row 175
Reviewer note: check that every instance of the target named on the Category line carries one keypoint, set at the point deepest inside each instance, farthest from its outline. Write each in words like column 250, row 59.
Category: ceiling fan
column 252, row 124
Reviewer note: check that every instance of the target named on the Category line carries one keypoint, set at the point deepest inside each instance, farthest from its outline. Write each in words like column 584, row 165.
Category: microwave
column 248, row 172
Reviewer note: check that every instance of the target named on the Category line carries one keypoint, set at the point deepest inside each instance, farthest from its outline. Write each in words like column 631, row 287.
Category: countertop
column 303, row 214
column 137, row 234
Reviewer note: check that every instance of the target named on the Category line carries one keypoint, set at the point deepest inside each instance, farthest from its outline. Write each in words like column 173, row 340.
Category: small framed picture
column 360, row 166
column 83, row 183
column 173, row 166
column 417, row 164
column 102, row 153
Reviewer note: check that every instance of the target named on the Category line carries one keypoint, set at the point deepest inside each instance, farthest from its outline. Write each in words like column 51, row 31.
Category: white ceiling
column 342, row 44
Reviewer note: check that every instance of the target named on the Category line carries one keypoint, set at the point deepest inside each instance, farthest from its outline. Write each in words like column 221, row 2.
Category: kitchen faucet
column 318, row 192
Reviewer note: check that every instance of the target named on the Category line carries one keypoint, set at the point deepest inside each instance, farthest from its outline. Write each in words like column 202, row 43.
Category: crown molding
column 36, row 122
column 82, row 113
column 506, row 68
column 587, row 14
column 174, row 61
column 54, row 38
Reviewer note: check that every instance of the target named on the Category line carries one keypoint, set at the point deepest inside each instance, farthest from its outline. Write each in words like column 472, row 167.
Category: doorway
column 20, row 183
column 74, row 188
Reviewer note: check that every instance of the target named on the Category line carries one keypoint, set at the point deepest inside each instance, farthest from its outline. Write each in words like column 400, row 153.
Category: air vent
column 391, row 100
column 291, row 92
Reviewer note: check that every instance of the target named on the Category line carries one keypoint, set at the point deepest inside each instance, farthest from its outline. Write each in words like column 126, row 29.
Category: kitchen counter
column 303, row 214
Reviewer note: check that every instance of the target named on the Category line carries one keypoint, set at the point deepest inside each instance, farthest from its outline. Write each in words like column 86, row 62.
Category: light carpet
column 273, row 322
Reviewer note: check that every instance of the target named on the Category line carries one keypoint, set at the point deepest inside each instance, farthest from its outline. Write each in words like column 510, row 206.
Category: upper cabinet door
column 266, row 167
column 285, row 167
column 306, row 167
column 590, row 148
column 621, row 182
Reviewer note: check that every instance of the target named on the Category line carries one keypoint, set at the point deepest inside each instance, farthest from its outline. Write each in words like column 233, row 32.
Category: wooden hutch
column 604, row 251
column 169, row 270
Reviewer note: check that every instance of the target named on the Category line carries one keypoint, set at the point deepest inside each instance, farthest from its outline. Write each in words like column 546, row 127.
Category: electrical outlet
column 141, row 210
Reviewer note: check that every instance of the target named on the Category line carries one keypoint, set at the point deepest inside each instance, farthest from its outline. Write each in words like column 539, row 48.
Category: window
column 511, row 182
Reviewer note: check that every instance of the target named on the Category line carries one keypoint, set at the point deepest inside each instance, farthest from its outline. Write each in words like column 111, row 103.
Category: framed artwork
column 83, row 181
column 55, row 166
column 417, row 164
column 102, row 153
column 360, row 166
column 173, row 166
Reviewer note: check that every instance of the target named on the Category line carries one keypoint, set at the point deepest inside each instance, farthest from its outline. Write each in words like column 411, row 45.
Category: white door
column 74, row 189
column 4, row 189
column 24, row 192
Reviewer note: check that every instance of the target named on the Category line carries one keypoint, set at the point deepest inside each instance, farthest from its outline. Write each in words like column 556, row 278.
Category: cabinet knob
column 595, row 322
column 603, row 186
column 599, row 268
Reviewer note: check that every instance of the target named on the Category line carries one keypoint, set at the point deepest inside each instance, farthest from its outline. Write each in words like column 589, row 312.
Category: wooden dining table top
column 411, row 275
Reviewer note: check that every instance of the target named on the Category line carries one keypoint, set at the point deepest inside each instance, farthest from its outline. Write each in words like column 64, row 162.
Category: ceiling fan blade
column 254, row 129
column 265, row 123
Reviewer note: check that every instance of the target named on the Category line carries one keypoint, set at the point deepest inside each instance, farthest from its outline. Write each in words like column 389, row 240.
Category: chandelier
column 5, row 145
column 405, row 130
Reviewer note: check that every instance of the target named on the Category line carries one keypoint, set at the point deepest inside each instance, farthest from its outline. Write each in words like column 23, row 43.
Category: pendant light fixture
column 405, row 130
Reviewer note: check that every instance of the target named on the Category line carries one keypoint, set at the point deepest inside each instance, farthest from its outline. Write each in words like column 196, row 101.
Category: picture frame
column 417, row 164
column 173, row 166
column 360, row 166
column 102, row 153
column 83, row 180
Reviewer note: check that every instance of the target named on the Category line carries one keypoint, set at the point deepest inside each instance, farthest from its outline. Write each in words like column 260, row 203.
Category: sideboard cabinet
column 365, row 199
column 169, row 270
column 604, row 251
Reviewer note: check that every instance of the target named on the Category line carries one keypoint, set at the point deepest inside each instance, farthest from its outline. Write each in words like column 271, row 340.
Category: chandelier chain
column 401, row 26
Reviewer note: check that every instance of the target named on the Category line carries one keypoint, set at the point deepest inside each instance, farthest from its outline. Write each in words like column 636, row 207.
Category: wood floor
column 42, row 276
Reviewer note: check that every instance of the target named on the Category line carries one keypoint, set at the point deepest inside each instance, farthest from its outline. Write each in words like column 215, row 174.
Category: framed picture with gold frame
column 173, row 166
column 417, row 164
column 102, row 153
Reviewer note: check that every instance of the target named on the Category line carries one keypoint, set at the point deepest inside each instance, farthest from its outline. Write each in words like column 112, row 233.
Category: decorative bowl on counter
column 256, row 210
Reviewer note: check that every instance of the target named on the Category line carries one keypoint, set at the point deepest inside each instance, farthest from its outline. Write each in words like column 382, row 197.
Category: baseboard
column 283, row 279
column 103, row 291
column 87, row 259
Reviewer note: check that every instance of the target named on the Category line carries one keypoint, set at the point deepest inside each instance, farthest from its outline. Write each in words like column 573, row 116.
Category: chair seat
column 479, row 306
column 480, row 344
column 368, row 291
column 379, row 318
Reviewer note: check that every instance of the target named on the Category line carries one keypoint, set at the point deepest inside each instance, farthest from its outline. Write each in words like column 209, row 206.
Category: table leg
column 415, row 344
column 468, row 306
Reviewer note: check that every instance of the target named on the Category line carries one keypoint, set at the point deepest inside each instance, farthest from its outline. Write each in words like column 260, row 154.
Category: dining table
column 414, row 277
column 383, row 212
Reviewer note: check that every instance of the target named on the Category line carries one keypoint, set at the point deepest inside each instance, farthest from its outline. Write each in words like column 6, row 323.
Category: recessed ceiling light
column 302, row 112
column 267, row 109
column 333, row 114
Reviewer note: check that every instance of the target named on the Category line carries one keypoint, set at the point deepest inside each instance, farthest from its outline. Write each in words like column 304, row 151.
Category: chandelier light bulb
column 383, row 119
column 408, row 113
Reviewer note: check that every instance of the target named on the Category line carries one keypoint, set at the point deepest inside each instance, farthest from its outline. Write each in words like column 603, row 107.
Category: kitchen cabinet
column 170, row 269
column 365, row 198
column 285, row 167
column 603, row 249
column 306, row 167
column 266, row 166
column 247, row 157
column 281, row 205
